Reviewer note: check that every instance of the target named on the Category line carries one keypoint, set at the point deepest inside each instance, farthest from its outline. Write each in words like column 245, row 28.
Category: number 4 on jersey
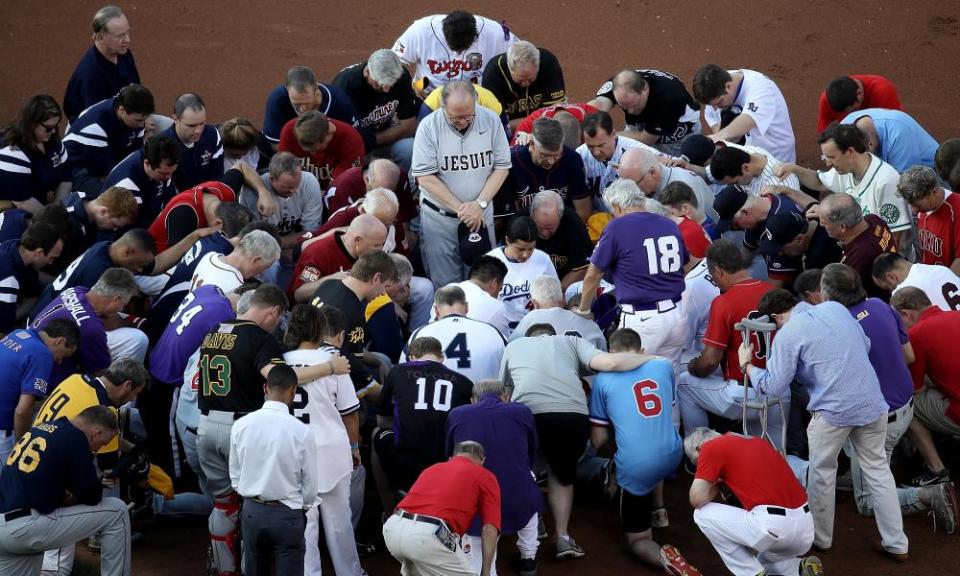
column 458, row 349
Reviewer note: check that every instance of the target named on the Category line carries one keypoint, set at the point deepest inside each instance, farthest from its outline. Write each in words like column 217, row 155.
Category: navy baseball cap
column 782, row 228
column 473, row 245
column 727, row 203
column 697, row 149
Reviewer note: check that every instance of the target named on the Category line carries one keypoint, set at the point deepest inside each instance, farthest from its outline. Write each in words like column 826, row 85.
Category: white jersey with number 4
column 321, row 404
column 213, row 270
column 470, row 347
column 938, row 282
column 424, row 45
column 515, row 293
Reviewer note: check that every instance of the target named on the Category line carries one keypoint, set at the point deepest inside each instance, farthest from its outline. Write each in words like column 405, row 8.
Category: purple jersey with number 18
column 199, row 313
column 645, row 254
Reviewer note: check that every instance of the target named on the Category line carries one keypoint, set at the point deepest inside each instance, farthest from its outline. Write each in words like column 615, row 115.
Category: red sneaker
column 675, row 564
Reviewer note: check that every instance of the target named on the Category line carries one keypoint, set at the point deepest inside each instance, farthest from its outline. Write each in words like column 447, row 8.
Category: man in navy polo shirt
column 105, row 67
column 27, row 357
column 301, row 93
column 544, row 164
column 201, row 150
column 148, row 174
column 105, row 134
column 19, row 261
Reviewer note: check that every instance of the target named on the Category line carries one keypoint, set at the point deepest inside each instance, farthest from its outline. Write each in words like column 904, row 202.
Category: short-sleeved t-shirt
column 569, row 248
column 463, row 161
column 545, row 372
column 424, row 45
column 324, row 257
column 26, row 362
column 344, row 151
column 518, row 101
column 760, row 98
column 84, row 271
column 300, row 212
column 639, row 406
column 335, row 293
column 279, row 110
column 939, row 232
column 876, row 192
column 735, row 460
column 566, row 177
column 878, row 92
column 213, row 270
column 887, row 335
column 860, row 252
column 645, row 254
column 903, row 141
column 671, row 112
column 200, row 161
column 515, row 293
column 738, row 302
column 231, row 358
column 377, row 110
column 939, row 283
column 419, row 395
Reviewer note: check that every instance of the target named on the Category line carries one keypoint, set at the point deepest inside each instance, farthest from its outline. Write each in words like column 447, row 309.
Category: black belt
column 436, row 208
column 16, row 513
column 420, row 518
column 892, row 417
column 259, row 500
column 777, row 511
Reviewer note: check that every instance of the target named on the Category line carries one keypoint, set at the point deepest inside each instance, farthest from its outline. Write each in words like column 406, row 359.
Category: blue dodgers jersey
column 200, row 312
column 26, row 362
column 639, row 406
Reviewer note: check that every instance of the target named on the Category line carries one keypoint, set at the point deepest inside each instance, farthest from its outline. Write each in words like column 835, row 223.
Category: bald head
column 381, row 203
column 572, row 132
column 635, row 164
column 382, row 173
column 365, row 234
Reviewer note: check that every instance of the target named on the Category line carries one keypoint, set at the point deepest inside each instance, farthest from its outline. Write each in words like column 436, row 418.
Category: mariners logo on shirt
column 890, row 213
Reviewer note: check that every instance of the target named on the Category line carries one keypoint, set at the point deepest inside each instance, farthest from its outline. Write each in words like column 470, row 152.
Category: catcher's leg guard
column 224, row 526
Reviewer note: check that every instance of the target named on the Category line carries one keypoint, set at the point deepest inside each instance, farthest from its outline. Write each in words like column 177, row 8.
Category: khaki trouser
column 868, row 442
column 420, row 552
column 930, row 408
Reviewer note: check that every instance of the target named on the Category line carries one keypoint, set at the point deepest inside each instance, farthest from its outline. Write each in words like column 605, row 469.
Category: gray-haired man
column 382, row 94
column 460, row 160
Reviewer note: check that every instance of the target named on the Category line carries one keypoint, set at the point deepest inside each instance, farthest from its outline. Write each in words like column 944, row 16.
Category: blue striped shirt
column 824, row 348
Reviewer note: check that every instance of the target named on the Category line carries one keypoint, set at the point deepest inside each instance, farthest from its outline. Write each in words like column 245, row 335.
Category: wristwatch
column 483, row 204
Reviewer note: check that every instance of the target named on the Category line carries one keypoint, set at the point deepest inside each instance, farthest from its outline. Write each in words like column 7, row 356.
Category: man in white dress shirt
column 274, row 466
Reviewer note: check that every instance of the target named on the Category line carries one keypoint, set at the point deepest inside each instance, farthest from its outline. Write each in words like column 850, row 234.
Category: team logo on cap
column 474, row 237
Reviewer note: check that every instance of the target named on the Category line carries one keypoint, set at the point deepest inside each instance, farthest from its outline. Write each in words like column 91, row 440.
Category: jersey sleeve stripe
column 350, row 410
column 83, row 140
column 599, row 422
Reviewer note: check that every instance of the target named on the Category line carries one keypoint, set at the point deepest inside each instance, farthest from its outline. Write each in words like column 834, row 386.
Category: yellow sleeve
column 376, row 304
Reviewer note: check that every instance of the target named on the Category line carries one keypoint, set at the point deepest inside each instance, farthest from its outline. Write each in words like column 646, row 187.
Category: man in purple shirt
column 200, row 312
column 102, row 333
column 890, row 351
column 645, row 254
column 509, row 438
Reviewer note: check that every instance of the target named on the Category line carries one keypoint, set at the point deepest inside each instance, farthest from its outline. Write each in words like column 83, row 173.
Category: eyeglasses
column 465, row 118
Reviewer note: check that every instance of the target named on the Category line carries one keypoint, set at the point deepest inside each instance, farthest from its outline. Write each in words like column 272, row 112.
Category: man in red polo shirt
column 380, row 203
column 933, row 335
column 335, row 253
column 326, row 147
column 424, row 531
column 774, row 526
column 845, row 94
column 938, row 216
column 700, row 389
column 353, row 184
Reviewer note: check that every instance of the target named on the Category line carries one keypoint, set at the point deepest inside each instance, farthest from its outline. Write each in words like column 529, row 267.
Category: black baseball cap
column 782, row 228
column 727, row 203
column 697, row 149
column 473, row 245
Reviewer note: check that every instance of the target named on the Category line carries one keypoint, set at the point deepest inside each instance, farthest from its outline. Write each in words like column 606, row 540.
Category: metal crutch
column 764, row 330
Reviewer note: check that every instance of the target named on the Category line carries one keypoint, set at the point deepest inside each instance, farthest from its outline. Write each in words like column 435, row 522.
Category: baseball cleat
column 943, row 506
column 928, row 478
column 675, row 564
column 811, row 566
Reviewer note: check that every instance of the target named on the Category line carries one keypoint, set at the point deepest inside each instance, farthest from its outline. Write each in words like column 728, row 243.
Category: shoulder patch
column 890, row 213
column 606, row 87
